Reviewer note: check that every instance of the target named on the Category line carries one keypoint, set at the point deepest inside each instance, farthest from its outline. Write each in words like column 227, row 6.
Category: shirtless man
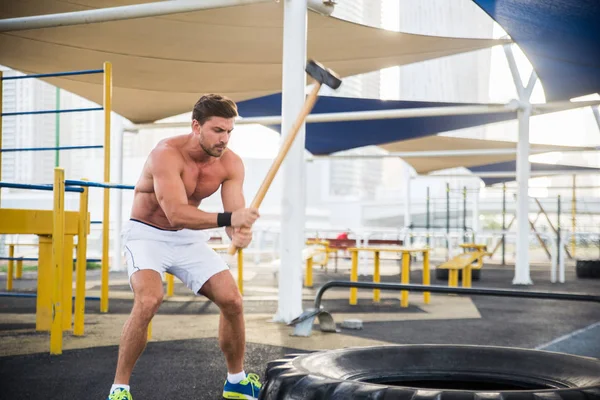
column 165, row 235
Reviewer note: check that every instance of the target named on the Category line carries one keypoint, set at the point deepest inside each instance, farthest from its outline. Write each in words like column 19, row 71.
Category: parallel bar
column 36, row 187
column 11, row 114
column 51, row 148
column 455, row 290
column 33, row 295
column 66, row 73
column 36, row 259
column 70, row 182
column 95, row 222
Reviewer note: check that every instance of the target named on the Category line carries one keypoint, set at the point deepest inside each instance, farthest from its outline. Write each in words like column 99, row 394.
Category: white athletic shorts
column 183, row 253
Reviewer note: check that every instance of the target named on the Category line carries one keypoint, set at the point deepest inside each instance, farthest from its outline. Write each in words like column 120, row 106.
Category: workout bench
column 463, row 262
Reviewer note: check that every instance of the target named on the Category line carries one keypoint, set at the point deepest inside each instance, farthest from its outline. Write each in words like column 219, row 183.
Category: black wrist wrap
column 224, row 219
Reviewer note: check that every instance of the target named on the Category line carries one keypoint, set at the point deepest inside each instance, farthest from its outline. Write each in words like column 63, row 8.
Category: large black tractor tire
column 588, row 269
column 442, row 274
column 425, row 372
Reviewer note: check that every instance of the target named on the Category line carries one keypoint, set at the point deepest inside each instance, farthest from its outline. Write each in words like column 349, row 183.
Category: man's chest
column 201, row 182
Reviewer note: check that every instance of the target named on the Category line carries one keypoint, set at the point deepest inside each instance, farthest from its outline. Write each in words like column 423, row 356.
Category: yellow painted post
column 150, row 330
column 82, row 232
column 426, row 276
column 107, row 104
column 376, row 277
column 354, row 276
column 58, row 243
column 170, row 284
column 467, row 276
column 574, row 216
column 405, row 278
column 11, row 263
column 240, row 264
column 308, row 278
column 453, row 277
column 67, row 289
column 43, row 315
column 19, row 269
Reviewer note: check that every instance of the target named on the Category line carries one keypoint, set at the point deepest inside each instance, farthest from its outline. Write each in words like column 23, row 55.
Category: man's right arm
column 167, row 168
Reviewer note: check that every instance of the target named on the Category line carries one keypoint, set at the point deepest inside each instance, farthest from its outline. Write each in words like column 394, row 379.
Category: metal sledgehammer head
column 323, row 75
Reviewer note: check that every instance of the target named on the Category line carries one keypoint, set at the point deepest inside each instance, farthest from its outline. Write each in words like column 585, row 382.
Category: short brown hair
column 214, row 105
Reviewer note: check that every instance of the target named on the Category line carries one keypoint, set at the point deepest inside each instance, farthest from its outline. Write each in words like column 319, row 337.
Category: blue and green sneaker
column 120, row 394
column 247, row 389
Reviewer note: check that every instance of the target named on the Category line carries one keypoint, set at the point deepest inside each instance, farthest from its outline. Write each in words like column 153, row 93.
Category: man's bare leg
column 148, row 294
column 223, row 291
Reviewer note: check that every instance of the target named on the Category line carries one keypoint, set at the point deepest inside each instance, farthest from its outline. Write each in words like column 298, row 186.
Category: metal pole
column 118, row 210
column 427, row 217
column 107, row 103
column 455, row 290
column 447, row 216
column 116, row 13
column 574, row 216
column 407, row 197
column 503, row 224
column 464, row 214
column 293, row 175
column 522, row 272
column 558, row 241
column 57, row 130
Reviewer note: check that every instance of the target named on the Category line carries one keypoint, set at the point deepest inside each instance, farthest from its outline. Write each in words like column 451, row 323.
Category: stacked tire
column 425, row 372
column 588, row 269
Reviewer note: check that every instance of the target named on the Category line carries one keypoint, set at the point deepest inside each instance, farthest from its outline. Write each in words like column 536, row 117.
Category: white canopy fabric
column 161, row 65
column 425, row 165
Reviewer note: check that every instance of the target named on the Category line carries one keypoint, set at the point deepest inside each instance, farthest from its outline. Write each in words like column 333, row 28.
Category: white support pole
column 522, row 273
column 118, row 196
column 475, row 224
column 293, row 203
column 596, row 115
column 116, row 13
column 407, row 197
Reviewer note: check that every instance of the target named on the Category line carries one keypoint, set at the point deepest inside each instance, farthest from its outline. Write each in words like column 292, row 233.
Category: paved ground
column 183, row 360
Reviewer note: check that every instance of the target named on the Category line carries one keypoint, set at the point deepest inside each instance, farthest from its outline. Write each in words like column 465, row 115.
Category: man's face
column 214, row 135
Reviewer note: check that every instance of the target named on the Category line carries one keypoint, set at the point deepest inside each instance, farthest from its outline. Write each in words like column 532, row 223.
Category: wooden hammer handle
column 287, row 144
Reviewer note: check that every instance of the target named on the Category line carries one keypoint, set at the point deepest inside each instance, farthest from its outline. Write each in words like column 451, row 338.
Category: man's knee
column 148, row 303
column 232, row 304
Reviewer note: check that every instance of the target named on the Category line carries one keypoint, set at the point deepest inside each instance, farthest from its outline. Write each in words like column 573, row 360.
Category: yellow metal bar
column 453, row 277
column 170, row 284
column 354, row 276
column 150, row 330
column 376, row 277
column 426, row 276
column 43, row 315
column 107, row 104
column 574, row 216
column 308, row 278
column 240, row 263
column 81, row 267
column 467, row 276
column 67, row 289
column 19, row 269
column 405, row 278
column 15, row 221
column 11, row 263
column 58, row 242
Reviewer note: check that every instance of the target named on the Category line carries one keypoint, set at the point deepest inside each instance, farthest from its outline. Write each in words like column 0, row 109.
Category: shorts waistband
column 138, row 230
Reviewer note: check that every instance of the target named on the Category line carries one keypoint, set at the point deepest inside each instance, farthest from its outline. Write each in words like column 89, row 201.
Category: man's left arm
column 232, row 190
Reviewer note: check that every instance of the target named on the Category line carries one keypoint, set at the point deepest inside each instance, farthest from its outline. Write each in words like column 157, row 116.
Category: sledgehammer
column 322, row 76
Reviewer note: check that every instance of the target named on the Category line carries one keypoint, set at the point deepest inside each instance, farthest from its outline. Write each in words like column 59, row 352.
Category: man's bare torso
column 201, row 179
